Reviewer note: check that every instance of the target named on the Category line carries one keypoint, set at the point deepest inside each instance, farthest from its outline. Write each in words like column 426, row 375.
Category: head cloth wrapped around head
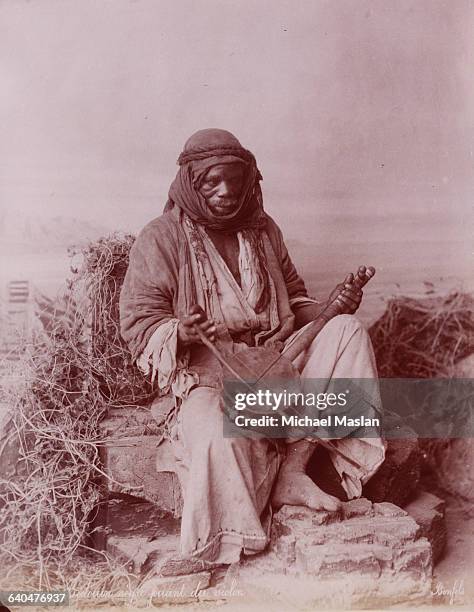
column 202, row 151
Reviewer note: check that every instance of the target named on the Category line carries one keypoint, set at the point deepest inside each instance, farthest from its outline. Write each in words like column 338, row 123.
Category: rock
column 331, row 560
column 284, row 548
column 388, row 509
column 137, row 458
column 128, row 517
column 357, row 507
column 301, row 517
column 372, row 554
column 174, row 589
column 429, row 513
column 397, row 478
column 174, row 565
column 141, row 554
column 132, row 552
column 126, row 422
column 396, row 531
column 130, row 464
column 414, row 558
column 138, row 534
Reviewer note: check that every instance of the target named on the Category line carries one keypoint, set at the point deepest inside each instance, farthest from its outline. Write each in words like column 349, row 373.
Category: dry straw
column 73, row 369
column 424, row 338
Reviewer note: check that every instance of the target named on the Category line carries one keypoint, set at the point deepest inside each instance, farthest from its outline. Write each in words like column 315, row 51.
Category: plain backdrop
column 360, row 112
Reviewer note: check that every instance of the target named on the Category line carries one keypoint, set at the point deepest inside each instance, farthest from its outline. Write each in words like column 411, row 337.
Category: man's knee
column 340, row 326
column 346, row 320
column 202, row 421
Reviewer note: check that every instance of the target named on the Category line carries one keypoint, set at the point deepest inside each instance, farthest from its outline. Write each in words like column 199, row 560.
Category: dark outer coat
column 154, row 289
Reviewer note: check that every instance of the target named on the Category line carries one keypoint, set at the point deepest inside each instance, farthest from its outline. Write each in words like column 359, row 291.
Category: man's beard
column 224, row 207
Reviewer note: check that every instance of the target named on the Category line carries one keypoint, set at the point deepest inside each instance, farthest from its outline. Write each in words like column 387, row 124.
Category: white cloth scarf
column 252, row 277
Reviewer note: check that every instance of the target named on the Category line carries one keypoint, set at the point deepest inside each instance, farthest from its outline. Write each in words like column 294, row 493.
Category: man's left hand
column 348, row 297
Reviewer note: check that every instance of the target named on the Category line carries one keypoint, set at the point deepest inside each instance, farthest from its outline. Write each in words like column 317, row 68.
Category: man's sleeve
column 146, row 298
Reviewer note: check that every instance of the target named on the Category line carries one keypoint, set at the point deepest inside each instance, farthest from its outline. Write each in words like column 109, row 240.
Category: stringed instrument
column 253, row 366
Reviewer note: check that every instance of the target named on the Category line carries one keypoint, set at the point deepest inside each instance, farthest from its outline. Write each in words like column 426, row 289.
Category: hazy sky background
column 359, row 107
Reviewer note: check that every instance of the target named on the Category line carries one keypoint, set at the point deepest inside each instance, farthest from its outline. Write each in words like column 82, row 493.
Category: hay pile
column 426, row 338
column 102, row 272
column 73, row 369
column 423, row 338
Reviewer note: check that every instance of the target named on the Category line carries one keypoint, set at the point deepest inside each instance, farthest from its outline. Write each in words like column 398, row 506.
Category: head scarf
column 202, row 151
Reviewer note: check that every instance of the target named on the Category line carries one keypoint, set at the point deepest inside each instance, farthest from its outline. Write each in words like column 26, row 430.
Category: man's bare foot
column 297, row 489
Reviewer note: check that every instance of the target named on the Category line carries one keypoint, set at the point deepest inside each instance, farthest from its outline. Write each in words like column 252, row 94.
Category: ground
column 454, row 569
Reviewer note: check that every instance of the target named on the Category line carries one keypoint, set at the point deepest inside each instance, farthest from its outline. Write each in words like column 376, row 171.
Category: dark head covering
column 205, row 149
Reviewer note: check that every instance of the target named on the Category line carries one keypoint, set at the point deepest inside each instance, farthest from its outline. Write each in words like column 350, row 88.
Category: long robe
column 227, row 482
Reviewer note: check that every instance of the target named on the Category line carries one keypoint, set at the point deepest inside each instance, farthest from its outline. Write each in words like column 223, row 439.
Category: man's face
column 222, row 186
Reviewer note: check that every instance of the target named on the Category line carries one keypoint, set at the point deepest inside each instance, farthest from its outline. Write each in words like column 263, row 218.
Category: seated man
column 217, row 248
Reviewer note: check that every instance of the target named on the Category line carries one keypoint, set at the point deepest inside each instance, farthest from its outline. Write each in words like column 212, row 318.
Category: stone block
column 128, row 517
column 357, row 507
column 133, row 552
column 359, row 530
column 161, row 407
column 395, row 531
column 130, row 464
column 126, row 422
column 138, row 534
column 284, row 547
column 388, row 509
column 374, row 553
column 141, row 554
column 331, row 560
column 358, row 562
column 175, row 565
column 414, row 558
column 302, row 518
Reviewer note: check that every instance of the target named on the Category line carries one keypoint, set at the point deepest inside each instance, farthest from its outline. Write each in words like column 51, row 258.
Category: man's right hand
column 187, row 334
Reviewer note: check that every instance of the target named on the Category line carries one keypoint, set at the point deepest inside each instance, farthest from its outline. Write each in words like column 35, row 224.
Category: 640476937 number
column 32, row 598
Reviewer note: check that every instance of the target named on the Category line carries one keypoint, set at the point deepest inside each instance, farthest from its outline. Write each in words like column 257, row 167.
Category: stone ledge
column 366, row 554
column 131, row 464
